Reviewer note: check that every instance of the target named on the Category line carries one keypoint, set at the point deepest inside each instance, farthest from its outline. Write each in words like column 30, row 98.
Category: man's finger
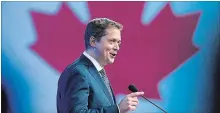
column 131, row 108
column 133, row 103
column 135, row 94
column 134, row 99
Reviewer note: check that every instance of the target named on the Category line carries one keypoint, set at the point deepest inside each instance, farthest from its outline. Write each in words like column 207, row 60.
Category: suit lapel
column 113, row 94
column 97, row 77
column 101, row 83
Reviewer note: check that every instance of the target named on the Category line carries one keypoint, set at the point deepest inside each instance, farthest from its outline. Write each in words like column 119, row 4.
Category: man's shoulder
column 73, row 72
column 76, row 65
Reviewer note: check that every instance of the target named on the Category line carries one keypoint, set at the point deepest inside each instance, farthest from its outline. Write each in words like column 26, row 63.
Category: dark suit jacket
column 82, row 90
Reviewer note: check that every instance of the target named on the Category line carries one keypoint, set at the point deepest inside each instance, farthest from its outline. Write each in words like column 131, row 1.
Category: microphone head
column 132, row 88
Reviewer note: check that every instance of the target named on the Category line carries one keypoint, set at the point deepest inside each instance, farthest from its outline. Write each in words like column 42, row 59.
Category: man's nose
column 116, row 47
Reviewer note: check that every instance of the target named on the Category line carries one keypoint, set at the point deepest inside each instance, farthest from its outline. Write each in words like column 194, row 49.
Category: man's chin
column 111, row 61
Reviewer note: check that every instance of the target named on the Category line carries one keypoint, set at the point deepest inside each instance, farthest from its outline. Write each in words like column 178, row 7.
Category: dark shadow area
column 216, row 81
column 4, row 101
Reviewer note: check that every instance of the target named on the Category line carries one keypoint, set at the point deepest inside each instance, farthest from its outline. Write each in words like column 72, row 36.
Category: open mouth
column 113, row 54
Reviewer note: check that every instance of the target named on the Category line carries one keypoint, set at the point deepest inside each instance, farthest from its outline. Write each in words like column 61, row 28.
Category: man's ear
column 92, row 41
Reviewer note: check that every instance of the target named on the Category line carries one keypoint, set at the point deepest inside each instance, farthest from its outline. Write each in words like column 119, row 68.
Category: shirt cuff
column 118, row 109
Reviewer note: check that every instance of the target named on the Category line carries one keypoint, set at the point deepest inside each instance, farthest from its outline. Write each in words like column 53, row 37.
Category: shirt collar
column 95, row 63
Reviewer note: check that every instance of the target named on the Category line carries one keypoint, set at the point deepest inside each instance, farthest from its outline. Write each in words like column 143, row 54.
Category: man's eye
column 111, row 40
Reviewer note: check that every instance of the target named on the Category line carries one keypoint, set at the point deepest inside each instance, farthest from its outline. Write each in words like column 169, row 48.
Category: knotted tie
column 106, row 81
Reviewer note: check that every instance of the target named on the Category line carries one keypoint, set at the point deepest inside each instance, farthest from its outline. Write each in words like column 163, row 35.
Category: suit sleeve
column 76, row 96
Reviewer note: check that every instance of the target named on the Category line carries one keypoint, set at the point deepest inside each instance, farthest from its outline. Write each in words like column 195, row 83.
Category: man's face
column 108, row 46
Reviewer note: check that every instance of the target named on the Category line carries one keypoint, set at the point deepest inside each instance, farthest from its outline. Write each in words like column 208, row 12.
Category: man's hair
column 97, row 27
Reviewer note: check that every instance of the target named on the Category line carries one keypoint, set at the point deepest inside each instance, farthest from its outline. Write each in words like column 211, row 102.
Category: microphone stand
column 153, row 104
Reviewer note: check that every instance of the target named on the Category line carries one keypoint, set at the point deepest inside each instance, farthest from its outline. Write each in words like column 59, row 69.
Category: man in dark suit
column 83, row 86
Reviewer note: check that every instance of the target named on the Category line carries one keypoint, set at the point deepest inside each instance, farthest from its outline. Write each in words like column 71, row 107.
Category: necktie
column 106, row 81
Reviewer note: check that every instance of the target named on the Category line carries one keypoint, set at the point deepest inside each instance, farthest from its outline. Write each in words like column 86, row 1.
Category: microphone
column 133, row 88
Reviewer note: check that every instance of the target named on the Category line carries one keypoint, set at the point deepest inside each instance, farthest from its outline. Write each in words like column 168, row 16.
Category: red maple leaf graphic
column 148, row 52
